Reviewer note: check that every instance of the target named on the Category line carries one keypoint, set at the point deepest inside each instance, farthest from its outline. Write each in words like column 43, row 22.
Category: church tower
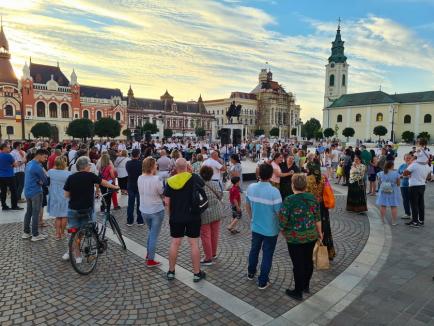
column 336, row 80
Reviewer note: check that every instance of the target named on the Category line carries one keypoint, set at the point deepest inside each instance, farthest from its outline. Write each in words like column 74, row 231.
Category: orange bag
column 328, row 195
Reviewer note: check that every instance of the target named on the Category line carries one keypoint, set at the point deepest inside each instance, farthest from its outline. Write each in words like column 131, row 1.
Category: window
column 64, row 111
column 86, row 114
column 9, row 110
column 76, row 116
column 53, row 110
column 118, row 116
column 343, row 80
column 9, row 130
column 98, row 115
column 407, row 119
column 358, row 117
column 339, row 118
column 332, row 80
column 379, row 117
column 40, row 109
column 427, row 118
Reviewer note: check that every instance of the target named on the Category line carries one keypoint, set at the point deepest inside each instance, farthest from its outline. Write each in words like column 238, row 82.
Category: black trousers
column 301, row 256
column 5, row 183
column 19, row 179
column 417, row 203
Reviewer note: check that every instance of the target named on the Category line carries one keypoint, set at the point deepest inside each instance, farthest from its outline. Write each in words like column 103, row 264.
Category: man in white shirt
column 335, row 153
column 215, row 163
column 418, row 175
column 20, row 157
column 72, row 153
column 121, row 146
column 136, row 145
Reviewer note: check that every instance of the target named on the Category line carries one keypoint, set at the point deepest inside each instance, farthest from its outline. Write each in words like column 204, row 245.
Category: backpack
column 199, row 200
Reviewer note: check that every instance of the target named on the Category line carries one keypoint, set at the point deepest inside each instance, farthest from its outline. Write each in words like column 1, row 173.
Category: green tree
column 380, row 131
column 274, row 132
column 41, row 129
column 319, row 134
column 168, row 133
column 107, row 127
column 150, row 127
column 127, row 133
column 310, row 128
column 80, row 128
column 200, row 132
column 425, row 135
column 348, row 132
column 329, row 132
column 408, row 136
column 294, row 132
column 259, row 132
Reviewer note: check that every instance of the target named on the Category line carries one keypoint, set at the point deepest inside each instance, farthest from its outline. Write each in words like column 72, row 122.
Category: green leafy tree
column 348, row 132
column 259, row 132
column 200, row 132
column 310, row 128
column 41, row 129
column 294, row 132
column 80, row 128
column 150, row 127
column 168, row 133
column 274, row 132
column 380, row 131
column 127, row 133
column 107, row 127
column 319, row 134
column 329, row 132
column 425, row 135
column 408, row 136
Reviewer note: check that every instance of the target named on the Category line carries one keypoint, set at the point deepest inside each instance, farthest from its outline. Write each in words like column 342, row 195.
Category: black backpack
column 199, row 200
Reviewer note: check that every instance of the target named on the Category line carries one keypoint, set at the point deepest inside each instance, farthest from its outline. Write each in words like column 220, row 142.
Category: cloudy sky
column 209, row 47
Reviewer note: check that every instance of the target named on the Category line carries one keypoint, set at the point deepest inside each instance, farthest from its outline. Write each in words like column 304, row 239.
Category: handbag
column 320, row 256
column 386, row 187
column 328, row 195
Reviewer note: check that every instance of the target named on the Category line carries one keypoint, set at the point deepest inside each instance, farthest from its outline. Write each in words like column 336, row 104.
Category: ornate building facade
column 267, row 106
column 181, row 117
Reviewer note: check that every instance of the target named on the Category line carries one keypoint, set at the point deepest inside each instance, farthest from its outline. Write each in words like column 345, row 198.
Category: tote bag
column 328, row 195
column 320, row 256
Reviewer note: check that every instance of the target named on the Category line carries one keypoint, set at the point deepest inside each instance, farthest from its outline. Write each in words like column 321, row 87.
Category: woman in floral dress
column 356, row 198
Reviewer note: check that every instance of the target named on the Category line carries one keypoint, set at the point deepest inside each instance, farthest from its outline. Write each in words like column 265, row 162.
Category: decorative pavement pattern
column 37, row 287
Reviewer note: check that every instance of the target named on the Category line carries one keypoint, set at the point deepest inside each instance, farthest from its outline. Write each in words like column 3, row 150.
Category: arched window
column 85, row 114
column 40, row 110
column 339, row 118
column 9, row 110
column 379, row 117
column 9, row 130
column 53, row 110
column 332, row 80
column 118, row 116
column 427, row 118
column 407, row 119
column 358, row 117
column 98, row 115
column 65, row 111
column 343, row 80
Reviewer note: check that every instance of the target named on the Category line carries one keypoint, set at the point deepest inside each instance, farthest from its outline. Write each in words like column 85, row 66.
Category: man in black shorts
column 178, row 200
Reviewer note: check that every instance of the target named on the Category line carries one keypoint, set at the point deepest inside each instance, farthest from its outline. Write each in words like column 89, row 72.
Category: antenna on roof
column 380, row 87
column 267, row 65
column 339, row 23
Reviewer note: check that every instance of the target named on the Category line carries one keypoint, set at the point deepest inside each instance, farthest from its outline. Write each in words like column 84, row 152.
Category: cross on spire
column 339, row 23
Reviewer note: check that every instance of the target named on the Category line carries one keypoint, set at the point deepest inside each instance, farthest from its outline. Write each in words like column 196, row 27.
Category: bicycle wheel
column 117, row 230
column 83, row 250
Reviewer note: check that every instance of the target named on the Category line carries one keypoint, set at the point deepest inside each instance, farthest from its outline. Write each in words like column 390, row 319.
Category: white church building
column 364, row 111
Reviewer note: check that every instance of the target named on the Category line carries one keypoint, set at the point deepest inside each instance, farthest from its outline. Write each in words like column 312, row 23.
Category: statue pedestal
column 235, row 132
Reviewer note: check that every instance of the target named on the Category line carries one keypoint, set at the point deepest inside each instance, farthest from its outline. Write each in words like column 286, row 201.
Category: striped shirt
column 264, row 201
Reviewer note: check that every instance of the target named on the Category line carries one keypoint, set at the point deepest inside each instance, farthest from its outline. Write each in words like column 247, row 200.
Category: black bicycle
column 88, row 241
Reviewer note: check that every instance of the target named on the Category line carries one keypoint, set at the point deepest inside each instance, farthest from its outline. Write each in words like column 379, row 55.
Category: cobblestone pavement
column 36, row 287
column 402, row 293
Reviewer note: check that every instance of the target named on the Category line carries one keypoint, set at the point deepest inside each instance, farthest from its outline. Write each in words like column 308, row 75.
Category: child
column 373, row 169
column 235, row 199
column 340, row 171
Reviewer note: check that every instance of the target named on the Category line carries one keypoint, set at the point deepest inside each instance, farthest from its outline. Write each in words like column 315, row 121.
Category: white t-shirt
column 120, row 165
column 419, row 173
column 335, row 156
column 71, row 155
column 121, row 147
column 150, row 191
column 136, row 145
column 216, row 167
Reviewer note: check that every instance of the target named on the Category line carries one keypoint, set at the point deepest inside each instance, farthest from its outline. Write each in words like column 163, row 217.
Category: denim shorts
column 76, row 220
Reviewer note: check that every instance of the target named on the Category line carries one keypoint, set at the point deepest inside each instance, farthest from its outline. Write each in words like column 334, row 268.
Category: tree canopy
column 310, row 128
column 168, row 133
column 107, row 127
column 348, row 132
column 127, row 133
column 150, row 127
column 408, row 136
column 80, row 128
column 200, row 132
column 274, row 132
column 425, row 135
column 328, row 132
column 380, row 131
column 41, row 129
column 259, row 132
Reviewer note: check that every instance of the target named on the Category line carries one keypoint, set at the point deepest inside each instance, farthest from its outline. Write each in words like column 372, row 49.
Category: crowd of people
column 188, row 179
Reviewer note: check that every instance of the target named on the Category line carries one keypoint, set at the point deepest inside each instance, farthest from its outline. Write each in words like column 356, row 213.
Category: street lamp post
column 392, row 132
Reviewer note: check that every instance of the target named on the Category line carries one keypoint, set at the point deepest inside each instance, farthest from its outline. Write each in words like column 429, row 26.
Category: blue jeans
column 34, row 205
column 406, row 200
column 268, row 244
column 154, row 222
column 78, row 218
column 133, row 198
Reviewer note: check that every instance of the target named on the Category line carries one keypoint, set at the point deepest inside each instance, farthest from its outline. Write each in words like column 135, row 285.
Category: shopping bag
column 320, row 256
column 328, row 195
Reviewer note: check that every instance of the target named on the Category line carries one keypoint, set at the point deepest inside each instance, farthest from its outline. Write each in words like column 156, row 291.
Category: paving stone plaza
column 380, row 276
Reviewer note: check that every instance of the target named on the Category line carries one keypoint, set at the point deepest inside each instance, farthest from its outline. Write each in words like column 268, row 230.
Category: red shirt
column 235, row 195
column 51, row 160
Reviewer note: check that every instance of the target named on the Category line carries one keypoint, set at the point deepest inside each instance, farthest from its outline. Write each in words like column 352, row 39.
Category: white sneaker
column 78, row 260
column 26, row 235
column 65, row 256
column 38, row 237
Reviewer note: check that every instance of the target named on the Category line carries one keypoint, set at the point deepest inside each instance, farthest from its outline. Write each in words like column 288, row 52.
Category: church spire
column 338, row 55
